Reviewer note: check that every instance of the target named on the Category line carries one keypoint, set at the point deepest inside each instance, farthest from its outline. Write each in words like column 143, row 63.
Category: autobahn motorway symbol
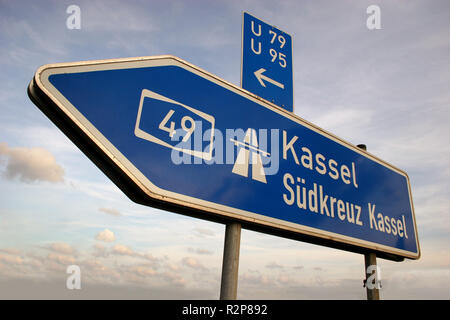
column 250, row 146
column 172, row 135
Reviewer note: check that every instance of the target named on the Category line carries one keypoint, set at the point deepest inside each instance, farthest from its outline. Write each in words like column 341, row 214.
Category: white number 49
column 171, row 128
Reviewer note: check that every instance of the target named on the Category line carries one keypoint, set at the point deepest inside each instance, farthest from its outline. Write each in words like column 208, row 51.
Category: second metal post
column 370, row 259
column 230, row 265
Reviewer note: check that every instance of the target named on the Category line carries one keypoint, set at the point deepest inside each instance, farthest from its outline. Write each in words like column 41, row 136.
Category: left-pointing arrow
column 259, row 75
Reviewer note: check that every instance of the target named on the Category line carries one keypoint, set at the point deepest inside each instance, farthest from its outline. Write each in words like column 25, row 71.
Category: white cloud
column 200, row 251
column 274, row 265
column 11, row 259
column 254, row 279
column 192, row 263
column 110, row 211
column 31, row 164
column 100, row 251
column 143, row 270
column 123, row 250
column 11, row 251
column 60, row 247
column 203, row 232
column 174, row 278
column 150, row 258
column 62, row 259
column 106, row 235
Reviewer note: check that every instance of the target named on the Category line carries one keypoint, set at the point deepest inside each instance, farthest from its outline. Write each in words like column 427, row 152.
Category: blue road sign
column 266, row 67
column 185, row 138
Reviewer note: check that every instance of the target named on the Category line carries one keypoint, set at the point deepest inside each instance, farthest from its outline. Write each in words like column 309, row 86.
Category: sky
column 387, row 88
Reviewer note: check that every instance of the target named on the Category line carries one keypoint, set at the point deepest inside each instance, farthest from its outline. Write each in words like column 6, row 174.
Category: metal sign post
column 370, row 261
column 230, row 266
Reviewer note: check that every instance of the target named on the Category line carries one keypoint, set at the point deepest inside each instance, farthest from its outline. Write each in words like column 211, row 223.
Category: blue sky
column 386, row 88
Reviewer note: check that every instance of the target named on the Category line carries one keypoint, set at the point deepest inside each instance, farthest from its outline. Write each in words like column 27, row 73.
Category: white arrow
column 259, row 75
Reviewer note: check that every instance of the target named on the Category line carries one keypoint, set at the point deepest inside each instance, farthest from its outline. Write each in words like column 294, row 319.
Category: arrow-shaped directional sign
column 261, row 78
column 174, row 136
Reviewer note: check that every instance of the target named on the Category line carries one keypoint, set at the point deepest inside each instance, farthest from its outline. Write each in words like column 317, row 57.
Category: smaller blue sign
column 267, row 62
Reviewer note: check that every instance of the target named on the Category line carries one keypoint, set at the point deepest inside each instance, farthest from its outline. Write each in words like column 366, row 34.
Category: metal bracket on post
column 370, row 259
column 230, row 265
